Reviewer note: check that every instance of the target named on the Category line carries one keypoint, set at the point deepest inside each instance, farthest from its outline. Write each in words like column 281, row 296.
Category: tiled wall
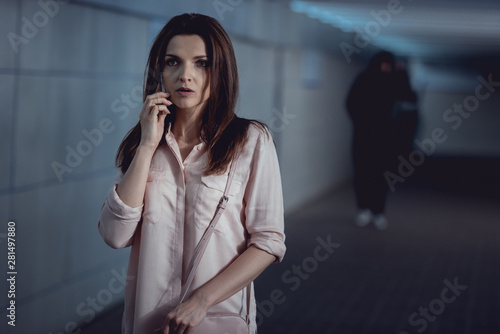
column 61, row 82
column 69, row 78
column 316, row 141
column 470, row 132
column 460, row 133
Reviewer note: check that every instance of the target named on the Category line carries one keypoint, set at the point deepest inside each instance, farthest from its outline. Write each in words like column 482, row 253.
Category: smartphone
column 163, row 89
column 162, row 86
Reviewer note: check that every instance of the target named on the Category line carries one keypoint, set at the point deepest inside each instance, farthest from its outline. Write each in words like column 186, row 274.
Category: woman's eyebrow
column 174, row 56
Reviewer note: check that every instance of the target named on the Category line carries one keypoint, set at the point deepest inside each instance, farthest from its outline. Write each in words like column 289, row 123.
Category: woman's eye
column 171, row 62
column 203, row 63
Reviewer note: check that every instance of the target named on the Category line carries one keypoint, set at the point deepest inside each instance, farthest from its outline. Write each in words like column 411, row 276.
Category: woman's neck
column 187, row 126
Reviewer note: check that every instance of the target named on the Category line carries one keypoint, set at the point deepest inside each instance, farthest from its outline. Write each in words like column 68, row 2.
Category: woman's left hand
column 185, row 317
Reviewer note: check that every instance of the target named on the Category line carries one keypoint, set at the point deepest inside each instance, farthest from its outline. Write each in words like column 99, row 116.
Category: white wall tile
column 8, row 15
column 57, row 234
column 80, row 38
column 462, row 135
column 157, row 8
column 4, row 219
column 316, row 142
column 6, row 93
column 58, row 310
column 257, row 77
column 4, row 213
column 53, row 116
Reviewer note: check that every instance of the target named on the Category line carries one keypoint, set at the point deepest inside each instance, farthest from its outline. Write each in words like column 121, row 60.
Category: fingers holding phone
column 152, row 117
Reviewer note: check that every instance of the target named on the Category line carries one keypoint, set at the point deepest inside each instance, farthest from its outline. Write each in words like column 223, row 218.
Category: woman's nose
column 185, row 73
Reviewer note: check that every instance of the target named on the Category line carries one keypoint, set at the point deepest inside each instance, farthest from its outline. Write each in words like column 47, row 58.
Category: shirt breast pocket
column 209, row 193
column 152, row 198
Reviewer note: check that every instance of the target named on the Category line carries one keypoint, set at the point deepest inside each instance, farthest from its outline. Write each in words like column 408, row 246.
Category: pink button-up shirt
column 179, row 204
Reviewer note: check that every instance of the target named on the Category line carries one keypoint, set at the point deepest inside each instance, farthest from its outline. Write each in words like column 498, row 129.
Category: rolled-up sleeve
column 264, row 200
column 118, row 221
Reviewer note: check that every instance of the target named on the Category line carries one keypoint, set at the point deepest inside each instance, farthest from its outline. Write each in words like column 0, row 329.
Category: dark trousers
column 370, row 159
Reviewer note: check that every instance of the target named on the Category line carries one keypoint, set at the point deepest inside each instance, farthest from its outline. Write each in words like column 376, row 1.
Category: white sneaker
column 363, row 218
column 380, row 222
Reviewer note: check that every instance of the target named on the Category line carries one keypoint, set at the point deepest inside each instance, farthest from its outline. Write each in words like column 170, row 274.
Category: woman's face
column 185, row 73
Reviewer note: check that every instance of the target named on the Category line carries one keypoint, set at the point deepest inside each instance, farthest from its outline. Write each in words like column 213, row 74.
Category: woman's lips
column 184, row 92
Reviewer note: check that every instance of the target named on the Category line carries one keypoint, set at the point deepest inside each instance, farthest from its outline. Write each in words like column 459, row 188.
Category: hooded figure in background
column 370, row 105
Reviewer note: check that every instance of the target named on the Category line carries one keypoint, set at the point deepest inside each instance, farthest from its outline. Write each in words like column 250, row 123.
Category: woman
column 174, row 167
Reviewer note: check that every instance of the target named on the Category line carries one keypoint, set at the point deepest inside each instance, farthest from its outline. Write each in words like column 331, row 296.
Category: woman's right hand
column 152, row 118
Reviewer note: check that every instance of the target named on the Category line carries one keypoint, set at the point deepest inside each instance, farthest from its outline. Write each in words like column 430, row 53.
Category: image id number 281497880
column 11, row 273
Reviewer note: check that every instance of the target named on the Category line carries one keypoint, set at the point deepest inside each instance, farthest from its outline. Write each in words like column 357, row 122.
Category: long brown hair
column 222, row 131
